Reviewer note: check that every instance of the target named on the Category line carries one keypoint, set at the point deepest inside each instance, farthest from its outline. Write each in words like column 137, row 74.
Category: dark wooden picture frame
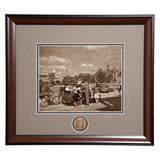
column 148, row 79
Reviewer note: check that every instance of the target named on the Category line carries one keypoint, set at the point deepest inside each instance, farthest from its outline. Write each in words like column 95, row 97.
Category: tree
column 92, row 79
column 119, row 74
column 51, row 77
column 66, row 80
column 100, row 76
column 72, row 80
column 85, row 77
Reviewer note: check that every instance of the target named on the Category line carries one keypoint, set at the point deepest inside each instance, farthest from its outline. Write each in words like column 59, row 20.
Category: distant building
column 112, row 74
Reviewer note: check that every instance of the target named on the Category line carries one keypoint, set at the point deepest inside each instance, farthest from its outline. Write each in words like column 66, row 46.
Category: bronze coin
column 80, row 123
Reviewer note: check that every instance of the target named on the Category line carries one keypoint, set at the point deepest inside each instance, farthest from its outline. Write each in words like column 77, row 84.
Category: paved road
column 109, row 102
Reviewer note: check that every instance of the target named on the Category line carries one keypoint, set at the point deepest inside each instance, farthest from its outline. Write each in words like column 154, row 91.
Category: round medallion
column 80, row 123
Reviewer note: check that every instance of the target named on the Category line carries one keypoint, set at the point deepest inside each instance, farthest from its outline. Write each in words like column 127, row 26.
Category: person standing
column 119, row 88
column 47, row 91
column 41, row 85
column 86, row 94
column 75, row 95
column 96, row 93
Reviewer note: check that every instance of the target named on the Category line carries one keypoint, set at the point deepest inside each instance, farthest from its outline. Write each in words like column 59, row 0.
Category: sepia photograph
column 79, row 78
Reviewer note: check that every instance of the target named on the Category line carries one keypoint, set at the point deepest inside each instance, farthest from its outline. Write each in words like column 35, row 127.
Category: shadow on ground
column 112, row 104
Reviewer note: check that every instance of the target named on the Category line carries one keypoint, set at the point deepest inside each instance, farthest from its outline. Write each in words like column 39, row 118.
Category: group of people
column 44, row 88
column 78, row 92
column 82, row 91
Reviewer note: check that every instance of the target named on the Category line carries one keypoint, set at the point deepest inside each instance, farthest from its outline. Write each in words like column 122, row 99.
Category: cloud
column 93, row 47
column 58, row 67
column 57, row 60
column 108, row 58
column 88, row 71
column 53, row 60
column 114, row 57
column 90, row 47
column 86, row 65
column 52, row 67
column 48, row 69
column 43, row 61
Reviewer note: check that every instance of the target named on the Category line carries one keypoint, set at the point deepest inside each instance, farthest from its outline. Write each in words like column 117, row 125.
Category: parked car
column 104, row 88
column 67, row 97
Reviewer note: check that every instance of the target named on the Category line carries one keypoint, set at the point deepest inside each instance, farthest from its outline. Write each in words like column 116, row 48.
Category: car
column 104, row 88
column 67, row 97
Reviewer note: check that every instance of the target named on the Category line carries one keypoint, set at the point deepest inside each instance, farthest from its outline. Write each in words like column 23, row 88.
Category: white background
column 79, row 7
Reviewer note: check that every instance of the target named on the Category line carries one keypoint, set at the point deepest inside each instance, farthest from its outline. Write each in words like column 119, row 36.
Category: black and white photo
column 80, row 78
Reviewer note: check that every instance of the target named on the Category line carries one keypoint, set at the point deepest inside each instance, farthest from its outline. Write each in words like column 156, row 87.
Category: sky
column 77, row 58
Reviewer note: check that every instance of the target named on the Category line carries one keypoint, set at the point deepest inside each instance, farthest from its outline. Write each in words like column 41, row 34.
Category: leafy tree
column 66, row 80
column 51, row 77
column 85, row 77
column 92, row 79
column 100, row 76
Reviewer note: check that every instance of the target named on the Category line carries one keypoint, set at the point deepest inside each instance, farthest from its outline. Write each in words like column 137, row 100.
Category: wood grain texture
column 13, row 20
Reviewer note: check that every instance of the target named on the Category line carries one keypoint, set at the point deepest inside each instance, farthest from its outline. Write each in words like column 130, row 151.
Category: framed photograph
column 79, row 79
